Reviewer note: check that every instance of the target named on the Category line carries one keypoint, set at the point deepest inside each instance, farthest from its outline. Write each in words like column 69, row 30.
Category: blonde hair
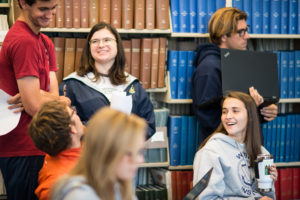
column 224, row 22
column 108, row 135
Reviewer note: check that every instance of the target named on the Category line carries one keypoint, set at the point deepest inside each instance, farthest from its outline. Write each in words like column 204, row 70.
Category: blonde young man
column 27, row 72
column 227, row 29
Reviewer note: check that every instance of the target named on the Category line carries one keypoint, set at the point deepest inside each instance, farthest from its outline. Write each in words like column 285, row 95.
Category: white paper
column 8, row 119
column 121, row 102
column 158, row 137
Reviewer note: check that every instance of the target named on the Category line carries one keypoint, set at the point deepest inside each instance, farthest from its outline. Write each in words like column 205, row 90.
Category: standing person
column 231, row 151
column 27, row 72
column 101, row 72
column 227, row 29
column 112, row 150
column 56, row 130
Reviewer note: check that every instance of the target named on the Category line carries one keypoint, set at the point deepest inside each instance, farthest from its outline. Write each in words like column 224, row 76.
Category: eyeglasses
column 105, row 41
column 73, row 108
column 242, row 31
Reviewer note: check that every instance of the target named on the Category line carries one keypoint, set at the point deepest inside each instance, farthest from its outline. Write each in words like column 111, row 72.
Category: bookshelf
column 257, row 36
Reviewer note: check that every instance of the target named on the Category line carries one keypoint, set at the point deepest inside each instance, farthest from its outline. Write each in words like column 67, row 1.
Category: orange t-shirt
column 53, row 168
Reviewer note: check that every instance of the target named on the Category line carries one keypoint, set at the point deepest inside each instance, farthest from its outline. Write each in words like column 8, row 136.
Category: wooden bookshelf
column 4, row 5
column 156, row 90
column 294, row 100
column 156, row 164
column 181, row 167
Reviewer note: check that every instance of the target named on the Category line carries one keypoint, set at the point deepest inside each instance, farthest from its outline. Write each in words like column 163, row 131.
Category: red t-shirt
column 23, row 53
column 53, row 168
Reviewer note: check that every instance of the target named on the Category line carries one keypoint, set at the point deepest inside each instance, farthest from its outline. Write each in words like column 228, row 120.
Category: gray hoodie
column 232, row 177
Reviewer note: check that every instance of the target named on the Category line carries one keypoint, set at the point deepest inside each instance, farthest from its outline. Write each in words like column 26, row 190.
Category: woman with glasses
column 112, row 150
column 101, row 73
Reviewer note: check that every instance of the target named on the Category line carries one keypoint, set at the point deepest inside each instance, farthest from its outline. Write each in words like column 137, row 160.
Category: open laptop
column 199, row 187
column 243, row 69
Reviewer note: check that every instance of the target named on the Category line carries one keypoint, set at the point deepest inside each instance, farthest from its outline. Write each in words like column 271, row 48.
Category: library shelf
column 4, row 5
column 156, row 90
column 156, row 164
column 293, row 100
column 288, row 164
column 257, row 36
column 121, row 31
column 181, row 167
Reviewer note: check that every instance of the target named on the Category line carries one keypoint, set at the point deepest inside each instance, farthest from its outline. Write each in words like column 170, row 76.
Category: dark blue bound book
column 173, row 67
column 183, row 141
column 248, row 10
column 293, row 16
column 238, row 4
column 202, row 17
column 291, row 83
column 282, row 139
column 257, row 14
column 278, row 138
column 193, row 16
column 189, row 73
column 297, row 74
column 284, row 17
column 297, row 135
column 288, row 138
column 174, row 5
column 284, row 74
column 184, row 17
column 220, row 4
column 293, row 138
column 191, row 148
column 174, row 129
column 181, row 76
column 211, row 8
column 275, row 14
column 266, row 17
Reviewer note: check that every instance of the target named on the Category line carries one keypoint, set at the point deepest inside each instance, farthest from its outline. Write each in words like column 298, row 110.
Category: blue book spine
column 268, row 139
column 293, row 138
column 173, row 67
column 291, row 84
column 266, row 16
column 174, row 136
column 220, row 4
column 183, row 141
column 211, row 8
column 284, row 74
column 191, row 140
column 193, row 16
column 271, row 137
column 184, row 18
column 202, row 25
column 278, row 138
column 196, row 133
column 293, row 16
column 174, row 4
column 257, row 16
column 278, row 53
column 181, row 74
column 275, row 17
column 274, row 135
column 284, row 16
column 298, row 17
column 297, row 135
column 297, row 73
column 264, row 132
column 282, row 139
column 238, row 4
column 248, row 10
column 189, row 74
column 288, row 139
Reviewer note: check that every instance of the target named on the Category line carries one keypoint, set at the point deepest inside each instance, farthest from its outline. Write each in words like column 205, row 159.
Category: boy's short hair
column 50, row 128
column 224, row 22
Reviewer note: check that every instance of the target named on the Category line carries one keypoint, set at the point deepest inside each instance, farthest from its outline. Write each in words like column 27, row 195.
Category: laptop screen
column 243, row 69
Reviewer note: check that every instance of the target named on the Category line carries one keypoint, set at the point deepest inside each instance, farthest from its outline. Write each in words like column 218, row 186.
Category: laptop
column 199, row 187
column 243, row 69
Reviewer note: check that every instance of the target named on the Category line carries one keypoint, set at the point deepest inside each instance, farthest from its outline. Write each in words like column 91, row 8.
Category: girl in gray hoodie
column 231, row 151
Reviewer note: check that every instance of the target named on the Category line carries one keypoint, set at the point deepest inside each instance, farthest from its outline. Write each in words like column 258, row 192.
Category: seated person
column 112, row 150
column 56, row 130
column 231, row 151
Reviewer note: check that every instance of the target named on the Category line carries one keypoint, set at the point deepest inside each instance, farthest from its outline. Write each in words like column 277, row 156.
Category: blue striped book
column 284, row 74
column 284, row 16
column 275, row 17
column 257, row 14
column 193, row 16
column 184, row 16
column 173, row 67
column 291, row 83
column 174, row 6
column 202, row 20
column 174, row 129
column 266, row 17
column 293, row 16
column 181, row 74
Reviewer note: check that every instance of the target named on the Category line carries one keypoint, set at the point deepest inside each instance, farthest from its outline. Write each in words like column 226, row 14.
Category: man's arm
column 33, row 98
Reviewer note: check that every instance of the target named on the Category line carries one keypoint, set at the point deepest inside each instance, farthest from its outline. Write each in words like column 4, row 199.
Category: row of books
column 193, row 16
column 281, row 137
column 271, row 16
column 287, row 185
column 181, row 183
column 151, row 192
column 146, row 60
column 127, row 14
column 3, row 1
column 183, row 139
column 180, row 66
column 289, row 73
column 161, row 117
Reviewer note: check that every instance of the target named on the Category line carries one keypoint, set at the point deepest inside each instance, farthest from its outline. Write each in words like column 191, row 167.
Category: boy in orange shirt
column 56, row 130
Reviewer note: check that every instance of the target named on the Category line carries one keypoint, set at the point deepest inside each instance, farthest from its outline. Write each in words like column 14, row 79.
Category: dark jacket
column 207, row 88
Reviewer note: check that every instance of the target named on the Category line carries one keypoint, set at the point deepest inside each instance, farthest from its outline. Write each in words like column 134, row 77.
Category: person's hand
column 266, row 198
column 16, row 103
column 65, row 99
column 274, row 172
column 256, row 96
column 269, row 112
